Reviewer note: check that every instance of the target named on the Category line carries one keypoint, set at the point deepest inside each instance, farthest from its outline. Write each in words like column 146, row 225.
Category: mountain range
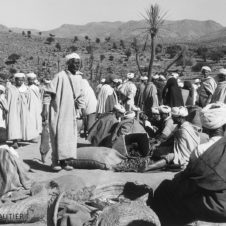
column 172, row 31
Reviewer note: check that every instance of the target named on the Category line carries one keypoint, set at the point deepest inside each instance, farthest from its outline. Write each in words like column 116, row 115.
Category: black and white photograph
column 113, row 112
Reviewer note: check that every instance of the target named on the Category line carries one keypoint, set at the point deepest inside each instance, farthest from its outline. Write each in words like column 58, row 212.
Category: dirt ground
column 42, row 172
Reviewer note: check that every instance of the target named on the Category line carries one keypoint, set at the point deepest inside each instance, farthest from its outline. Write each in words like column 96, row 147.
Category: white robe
column 63, row 124
column 18, row 124
column 35, row 109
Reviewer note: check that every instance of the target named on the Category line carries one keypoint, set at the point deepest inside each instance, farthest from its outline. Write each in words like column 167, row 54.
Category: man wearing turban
column 220, row 92
column 18, row 98
column 107, row 97
column 186, row 139
column 67, row 98
column 35, row 105
column 208, row 86
column 128, row 89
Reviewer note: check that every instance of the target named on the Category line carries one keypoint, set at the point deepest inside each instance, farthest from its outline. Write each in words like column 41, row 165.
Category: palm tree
column 154, row 20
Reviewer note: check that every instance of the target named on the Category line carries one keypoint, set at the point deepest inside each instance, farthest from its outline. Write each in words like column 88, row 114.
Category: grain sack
column 96, row 158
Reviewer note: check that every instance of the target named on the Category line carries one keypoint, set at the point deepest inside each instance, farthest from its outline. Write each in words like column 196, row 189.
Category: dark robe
column 150, row 98
column 160, row 86
column 198, row 193
column 171, row 94
column 102, row 129
column 139, row 95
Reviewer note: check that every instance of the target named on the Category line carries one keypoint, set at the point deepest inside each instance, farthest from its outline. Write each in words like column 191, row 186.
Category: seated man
column 213, row 120
column 102, row 128
column 153, row 124
column 167, row 126
column 186, row 139
column 197, row 193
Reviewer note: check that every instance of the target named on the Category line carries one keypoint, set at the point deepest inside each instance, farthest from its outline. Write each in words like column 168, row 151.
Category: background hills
column 172, row 31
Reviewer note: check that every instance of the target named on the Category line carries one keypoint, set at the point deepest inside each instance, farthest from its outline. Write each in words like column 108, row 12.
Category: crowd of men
column 182, row 119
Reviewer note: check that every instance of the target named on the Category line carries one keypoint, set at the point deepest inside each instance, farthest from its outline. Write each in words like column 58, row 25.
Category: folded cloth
column 213, row 115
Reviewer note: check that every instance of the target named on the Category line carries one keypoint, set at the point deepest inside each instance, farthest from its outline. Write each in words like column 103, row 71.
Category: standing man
column 220, row 92
column 129, row 90
column 150, row 98
column 140, row 92
column 107, row 97
column 34, row 106
column 66, row 95
column 18, row 97
column 208, row 86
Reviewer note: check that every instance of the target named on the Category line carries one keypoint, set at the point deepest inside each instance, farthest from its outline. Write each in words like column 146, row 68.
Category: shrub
column 197, row 67
column 111, row 58
column 97, row 40
column 14, row 57
column 49, row 40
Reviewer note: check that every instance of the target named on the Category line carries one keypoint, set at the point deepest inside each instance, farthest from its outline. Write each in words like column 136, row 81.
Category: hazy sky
column 49, row 14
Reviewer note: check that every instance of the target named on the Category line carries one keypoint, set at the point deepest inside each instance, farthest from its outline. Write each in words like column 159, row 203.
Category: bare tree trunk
column 152, row 58
column 138, row 64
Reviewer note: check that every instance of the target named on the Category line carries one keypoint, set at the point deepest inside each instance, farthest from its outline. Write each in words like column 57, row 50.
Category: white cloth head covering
column 31, row 75
column 143, row 78
column 120, row 108
column 222, row 71
column 36, row 82
column 103, row 80
column 206, row 68
column 179, row 111
column 165, row 109
column 19, row 75
column 175, row 75
column 155, row 110
column 155, row 76
column 162, row 77
column 72, row 56
column 120, row 80
column 129, row 115
column 180, row 83
column 2, row 88
column 130, row 75
column 197, row 81
column 213, row 115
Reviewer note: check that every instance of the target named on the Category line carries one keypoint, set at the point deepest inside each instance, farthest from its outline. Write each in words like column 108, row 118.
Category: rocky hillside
column 183, row 30
column 172, row 31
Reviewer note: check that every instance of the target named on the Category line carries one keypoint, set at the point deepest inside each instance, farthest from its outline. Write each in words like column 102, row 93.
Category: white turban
column 129, row 115
column 206, row 68
column 120, row 81
column 31, row 75
column 165, row 109
column 222, row 71
column 180, row 83
column 175, row 75
column 179, row 111
column 72, row 56
column 103, row 80
column 197, row 81
column 155, row 110
column 162, row 77
column 2, row 88
column 213, row 115
column 119, row 108
column 143, row 78
column 155, row 76
column 19, row 75
column 130, row 75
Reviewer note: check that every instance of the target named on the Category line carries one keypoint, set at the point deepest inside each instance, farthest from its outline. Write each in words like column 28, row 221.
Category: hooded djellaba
column 171, row 94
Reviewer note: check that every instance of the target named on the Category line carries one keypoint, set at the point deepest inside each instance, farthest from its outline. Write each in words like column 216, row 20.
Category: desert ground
column 42, row 172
